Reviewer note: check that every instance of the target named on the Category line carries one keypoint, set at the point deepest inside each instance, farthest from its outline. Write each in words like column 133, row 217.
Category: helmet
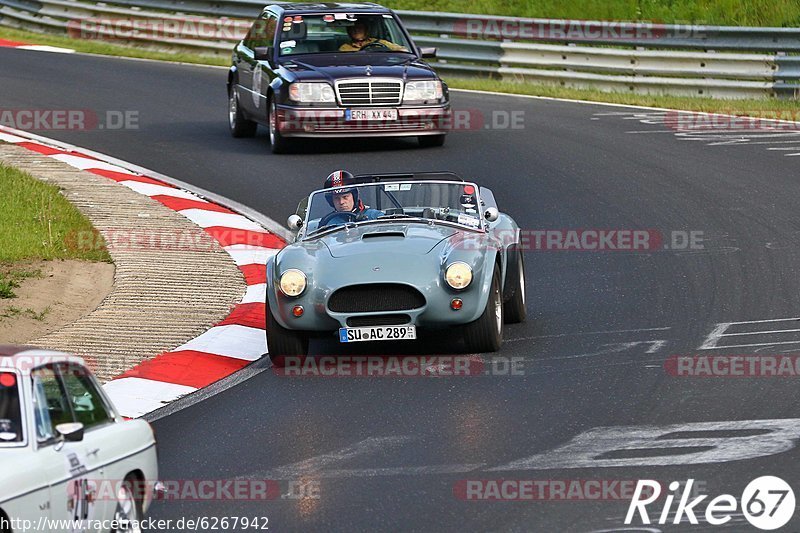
column 338, row 180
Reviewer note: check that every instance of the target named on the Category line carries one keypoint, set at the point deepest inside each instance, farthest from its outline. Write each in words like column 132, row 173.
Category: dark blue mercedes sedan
column 334, row 70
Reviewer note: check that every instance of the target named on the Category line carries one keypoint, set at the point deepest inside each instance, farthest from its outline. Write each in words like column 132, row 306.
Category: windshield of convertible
column 340, row 32
column 421, row 201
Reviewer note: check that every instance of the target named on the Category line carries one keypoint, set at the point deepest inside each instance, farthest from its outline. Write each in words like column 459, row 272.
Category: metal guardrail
column 716, row 61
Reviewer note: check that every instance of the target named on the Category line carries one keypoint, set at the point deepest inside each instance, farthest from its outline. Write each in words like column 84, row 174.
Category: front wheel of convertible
column 431, row 141
column 486, row 333
column 514, row 308
column 240, row 126
column 282, row 342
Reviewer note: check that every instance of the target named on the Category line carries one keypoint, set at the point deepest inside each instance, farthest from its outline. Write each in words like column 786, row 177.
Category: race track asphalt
column 388, row 453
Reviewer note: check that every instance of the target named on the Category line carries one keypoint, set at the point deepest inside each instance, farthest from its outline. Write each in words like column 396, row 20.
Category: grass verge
column 38, row 223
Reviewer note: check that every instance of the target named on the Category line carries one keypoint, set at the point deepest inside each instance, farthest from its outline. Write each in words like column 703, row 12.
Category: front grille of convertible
column 378, row 320
column 370, row 91
column 375, row 298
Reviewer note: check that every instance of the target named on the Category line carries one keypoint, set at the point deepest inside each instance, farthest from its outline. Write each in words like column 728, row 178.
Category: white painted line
column 791, row 155
column 766, row 332
column 711, row 341
column 148, row 189
column 134, row 397
column 239, row 342
column 587, row 450
column 750, row 345
column 768, row 320
column 43, row 48
column 208, row 219
column 746, row 141
column 244, row 254
column 255, row 294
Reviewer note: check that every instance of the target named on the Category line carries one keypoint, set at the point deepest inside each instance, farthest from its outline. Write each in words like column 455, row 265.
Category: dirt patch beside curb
column 62, row 293
column 161, row 297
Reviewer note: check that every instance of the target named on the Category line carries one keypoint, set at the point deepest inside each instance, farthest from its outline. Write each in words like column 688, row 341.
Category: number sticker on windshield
column 468, row 221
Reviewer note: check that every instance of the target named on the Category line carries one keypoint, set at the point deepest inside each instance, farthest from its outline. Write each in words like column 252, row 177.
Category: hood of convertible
column 394, row 251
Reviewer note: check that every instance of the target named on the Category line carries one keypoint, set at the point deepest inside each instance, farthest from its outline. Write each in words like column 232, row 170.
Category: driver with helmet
column 344, row 199
column 359, row 39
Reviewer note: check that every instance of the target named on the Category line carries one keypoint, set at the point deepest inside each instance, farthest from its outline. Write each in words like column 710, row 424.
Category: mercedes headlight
column 293, row 282
column 458, row 275
column 311, row 93
column 423, row 90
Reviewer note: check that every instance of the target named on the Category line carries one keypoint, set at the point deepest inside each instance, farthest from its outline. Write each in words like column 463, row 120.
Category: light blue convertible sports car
column 421, row 252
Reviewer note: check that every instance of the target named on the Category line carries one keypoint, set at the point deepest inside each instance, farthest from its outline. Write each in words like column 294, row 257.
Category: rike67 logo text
column 767, row 503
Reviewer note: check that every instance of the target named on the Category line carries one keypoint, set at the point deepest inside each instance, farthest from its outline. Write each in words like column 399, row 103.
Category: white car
column 68, row 460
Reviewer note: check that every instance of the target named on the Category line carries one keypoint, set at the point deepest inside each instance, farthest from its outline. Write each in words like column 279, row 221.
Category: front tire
column 514, row 308
column 278, row 143
column 486, row 333
column 431, row 141
column 282, row 342
column 240, row 126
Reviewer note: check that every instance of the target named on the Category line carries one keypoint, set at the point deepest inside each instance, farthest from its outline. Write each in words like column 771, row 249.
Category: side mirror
column 294, row 222
column 71, row 431
column 428, row 52
column 491, row 214
column 264, row 53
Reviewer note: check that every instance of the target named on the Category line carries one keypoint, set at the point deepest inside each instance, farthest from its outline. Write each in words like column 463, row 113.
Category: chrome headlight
column 423, row 90
column 308, row 93
column 293, row 282
column 458, row 275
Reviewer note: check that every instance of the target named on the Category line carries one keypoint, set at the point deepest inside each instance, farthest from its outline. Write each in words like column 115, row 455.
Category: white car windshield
column 456, row 203
column 340, row 32
column 10, row 413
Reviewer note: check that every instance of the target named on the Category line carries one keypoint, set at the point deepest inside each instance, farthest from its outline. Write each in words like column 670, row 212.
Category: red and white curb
column 225, row 348
column 4, row 43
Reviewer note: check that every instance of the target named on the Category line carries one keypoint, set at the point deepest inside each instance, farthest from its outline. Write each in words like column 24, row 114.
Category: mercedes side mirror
column 264, row 53
column 428, row 52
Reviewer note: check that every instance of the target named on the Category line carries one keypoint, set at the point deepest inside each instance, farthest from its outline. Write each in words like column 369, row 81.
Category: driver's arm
column 393, row 47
